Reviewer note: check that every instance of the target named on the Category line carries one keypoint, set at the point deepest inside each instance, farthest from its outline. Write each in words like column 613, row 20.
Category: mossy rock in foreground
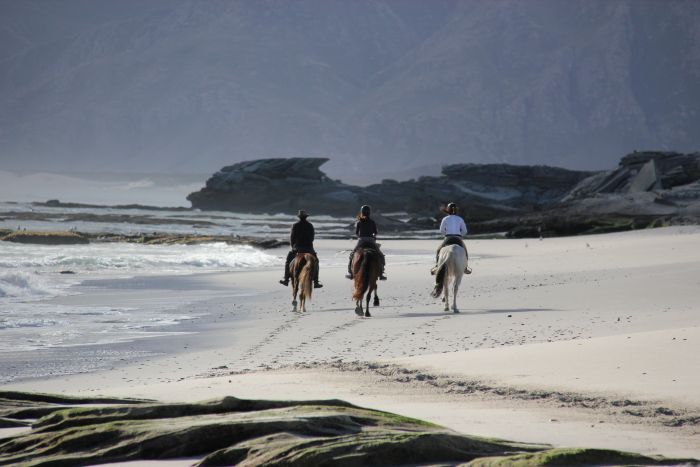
column 233, row 431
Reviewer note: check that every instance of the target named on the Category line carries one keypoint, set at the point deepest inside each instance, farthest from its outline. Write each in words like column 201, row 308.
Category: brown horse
column 366, row 267
column 302, row 270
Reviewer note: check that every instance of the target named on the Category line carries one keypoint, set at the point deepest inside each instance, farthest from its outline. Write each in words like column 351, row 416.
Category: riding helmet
column 365, row 210
column 452, row 208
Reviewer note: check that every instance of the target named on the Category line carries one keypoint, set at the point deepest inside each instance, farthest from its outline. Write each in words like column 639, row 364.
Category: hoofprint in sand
column 580, row 341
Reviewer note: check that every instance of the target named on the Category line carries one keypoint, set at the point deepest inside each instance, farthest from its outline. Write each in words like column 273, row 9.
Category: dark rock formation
column 648, row 171
column 286, row 185
column 46, row 238
column 276, row 185
column 73, row 238
column 647, row 189
column 233, row 431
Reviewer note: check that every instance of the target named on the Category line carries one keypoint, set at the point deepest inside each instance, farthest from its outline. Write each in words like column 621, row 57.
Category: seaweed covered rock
column 46, row 238
column 233, row 431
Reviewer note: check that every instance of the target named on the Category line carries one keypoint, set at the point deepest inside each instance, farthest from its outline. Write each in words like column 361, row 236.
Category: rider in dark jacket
column 366, row 233
column 301, row 240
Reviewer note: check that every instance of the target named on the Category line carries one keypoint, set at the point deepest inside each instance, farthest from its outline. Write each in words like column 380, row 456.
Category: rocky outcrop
column 46, row 238
column 649, row 171
column 276, row 185
column 232, row 431
column 286, row 185
column 647, row 189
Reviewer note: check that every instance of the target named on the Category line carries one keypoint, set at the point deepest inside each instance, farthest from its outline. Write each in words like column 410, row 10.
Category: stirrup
column 382, row 277
column 348, row 276
column 467, row 270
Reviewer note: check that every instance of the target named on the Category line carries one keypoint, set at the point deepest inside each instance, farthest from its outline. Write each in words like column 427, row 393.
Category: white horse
column 450, row 268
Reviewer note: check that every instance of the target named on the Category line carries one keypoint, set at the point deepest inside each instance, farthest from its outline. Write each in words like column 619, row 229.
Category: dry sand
column 580, row 341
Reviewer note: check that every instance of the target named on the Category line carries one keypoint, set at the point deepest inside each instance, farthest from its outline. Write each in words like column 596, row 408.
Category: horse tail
column 441, row 272
column 306, row 275
column 361, row 274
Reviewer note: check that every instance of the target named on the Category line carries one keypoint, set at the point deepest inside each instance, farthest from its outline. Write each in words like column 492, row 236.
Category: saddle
column 450, row 240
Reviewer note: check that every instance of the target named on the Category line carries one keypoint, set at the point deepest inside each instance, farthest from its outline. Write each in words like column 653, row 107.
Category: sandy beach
column 579, row 341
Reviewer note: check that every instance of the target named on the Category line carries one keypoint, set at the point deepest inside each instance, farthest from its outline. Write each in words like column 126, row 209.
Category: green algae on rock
column 232, row 431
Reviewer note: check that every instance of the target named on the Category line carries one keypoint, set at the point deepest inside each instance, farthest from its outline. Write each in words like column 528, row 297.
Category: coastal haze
column 385, row 89
column 154, row 155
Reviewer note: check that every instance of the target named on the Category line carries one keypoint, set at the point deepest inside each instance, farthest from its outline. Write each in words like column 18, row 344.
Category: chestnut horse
column 450, row 268
column 366, row 267
column 302, row 270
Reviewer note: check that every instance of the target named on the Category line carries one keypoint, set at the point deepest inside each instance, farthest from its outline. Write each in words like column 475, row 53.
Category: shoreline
column 536, row 315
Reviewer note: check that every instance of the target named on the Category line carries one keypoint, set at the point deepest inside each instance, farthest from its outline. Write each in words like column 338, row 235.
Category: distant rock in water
column 46, row 238
column 276, row 185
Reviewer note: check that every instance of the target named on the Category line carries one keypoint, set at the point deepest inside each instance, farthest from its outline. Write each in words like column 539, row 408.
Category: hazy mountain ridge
column 183, row 85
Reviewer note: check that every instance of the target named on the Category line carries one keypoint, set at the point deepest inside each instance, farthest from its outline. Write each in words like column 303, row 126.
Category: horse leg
column 358, row 307
column 446, row 296
column 458, row 279
column 376, row 298
column 369, row 295
column 295, row 290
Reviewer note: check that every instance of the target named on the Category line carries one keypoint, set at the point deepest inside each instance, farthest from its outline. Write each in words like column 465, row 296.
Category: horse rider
column 453, row 228
column 301, row 240
column 366, row 233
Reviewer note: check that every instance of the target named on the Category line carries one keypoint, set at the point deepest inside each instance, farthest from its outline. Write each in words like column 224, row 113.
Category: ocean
column 36, row 280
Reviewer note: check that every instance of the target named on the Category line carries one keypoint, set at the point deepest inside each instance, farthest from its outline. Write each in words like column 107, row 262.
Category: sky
column 123, row 98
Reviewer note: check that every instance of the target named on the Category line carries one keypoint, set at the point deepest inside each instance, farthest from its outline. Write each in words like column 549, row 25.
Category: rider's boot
column 349, row 274
column 317, row 284
column 433, row 270
column 382, row 277
column 285, row 281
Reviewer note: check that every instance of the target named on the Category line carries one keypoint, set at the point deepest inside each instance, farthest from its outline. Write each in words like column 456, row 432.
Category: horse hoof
column 446, row 309
column 376, row 302
column 455, row 310
column 294, row 303
column 367, row 315
column 358, row 311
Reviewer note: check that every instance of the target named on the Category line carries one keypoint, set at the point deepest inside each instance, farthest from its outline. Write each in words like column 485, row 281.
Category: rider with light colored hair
column 366, row 233
column 453, row 228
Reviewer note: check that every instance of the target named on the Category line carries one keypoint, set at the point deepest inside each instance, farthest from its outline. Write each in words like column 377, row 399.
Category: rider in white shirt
column 453, row 228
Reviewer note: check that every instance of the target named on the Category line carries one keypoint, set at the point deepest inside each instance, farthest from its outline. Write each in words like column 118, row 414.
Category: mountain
column 378, row 87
